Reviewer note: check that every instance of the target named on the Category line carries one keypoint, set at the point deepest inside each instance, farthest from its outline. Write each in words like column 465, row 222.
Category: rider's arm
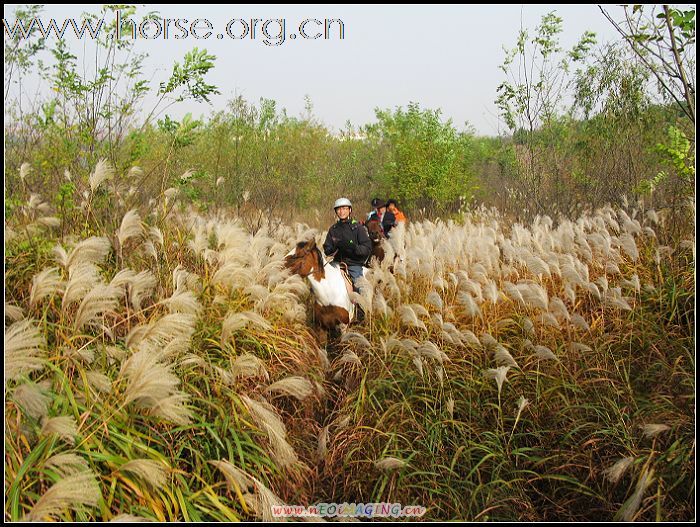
column 329, row 246
column 364, row 244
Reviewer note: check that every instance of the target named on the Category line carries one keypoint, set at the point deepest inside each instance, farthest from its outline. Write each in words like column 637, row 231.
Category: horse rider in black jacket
column 348, row 239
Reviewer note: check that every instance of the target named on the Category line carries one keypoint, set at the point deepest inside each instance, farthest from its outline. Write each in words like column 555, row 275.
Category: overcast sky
column 443, row 57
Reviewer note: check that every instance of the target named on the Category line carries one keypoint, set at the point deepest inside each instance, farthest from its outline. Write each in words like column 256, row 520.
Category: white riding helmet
column 342, row 202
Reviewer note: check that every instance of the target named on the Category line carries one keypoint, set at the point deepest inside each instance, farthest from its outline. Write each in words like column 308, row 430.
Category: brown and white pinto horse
column 376, row 234
column 333, row 308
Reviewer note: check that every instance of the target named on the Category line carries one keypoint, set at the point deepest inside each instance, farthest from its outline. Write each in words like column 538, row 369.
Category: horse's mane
column 319, row 259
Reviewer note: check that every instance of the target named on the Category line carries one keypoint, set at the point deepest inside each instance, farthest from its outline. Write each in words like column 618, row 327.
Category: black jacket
column 351, row 240
column 388, row 222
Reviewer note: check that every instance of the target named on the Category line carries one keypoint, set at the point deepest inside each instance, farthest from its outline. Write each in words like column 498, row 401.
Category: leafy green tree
column 425, row 162
column 537, row 73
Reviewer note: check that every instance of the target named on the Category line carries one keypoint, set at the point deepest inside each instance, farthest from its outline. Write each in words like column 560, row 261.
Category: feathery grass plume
column 173, row 408
column 534, row 295
column 24, row 349
column 223, row 376
column 130, row 227
column 100, row 300
column 149, row 250
column 183, row 302
column 491, row 292
column 420, row 310
column 522, row 404
column 451, row 407
column 130, row 518
column 263, row 501
column 616, row 471
column 82, row 278
column 547, row 319
column 430, row 350
column 114, row 354
column 651, row 430
column 389, row 464
column 32, row 399
column 12, row 312
column 502, row 356
column 67, row 464
column 37, row 204
column 93, row 250
column 233, row 274
column 238, row 321
column 359, row 338
column 350, row 357
column 470, row 339
column 439, row 283
column 141, row 287
column 558, row 309
column 613, row 298
column 152, row 472
column 49, row 221
column 134, row 172
column 235, row 477
column 390, row 344
column 148, row 381
column 602, row 281
column 434, row 299
column 103, row 171
column 612, row 269
column 266, row 417
column 473, row 288
column 569, row 273
column 167, row 335
column 418, row 361
column 513, row 293
column 450, row 338
column 631, row 506
column 409, row 318
column 256, row 291
column 257, row 496
column 123, row 278
column 200, row 241
column 487, row 341
column 25, row 170
column 72, row 492
column 295, row 386
column 155, row 234
column 536, row 265
column 577, row 347
column 498, row 374
column 653, row 217
column 99, row 381
column 63, row 426
column 544, row 353
column 580, row 322
column 248, row 365
column 570, row 294
column 380, row 304
column 322, row 447
column 633, row 283
column 182, row 278
column 471, row 309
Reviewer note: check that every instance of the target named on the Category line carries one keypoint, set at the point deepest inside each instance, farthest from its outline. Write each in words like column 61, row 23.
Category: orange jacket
column 400, row 216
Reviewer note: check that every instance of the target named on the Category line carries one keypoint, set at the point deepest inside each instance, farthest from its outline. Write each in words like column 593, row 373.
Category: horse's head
column 374, row 229
column 305, row 260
